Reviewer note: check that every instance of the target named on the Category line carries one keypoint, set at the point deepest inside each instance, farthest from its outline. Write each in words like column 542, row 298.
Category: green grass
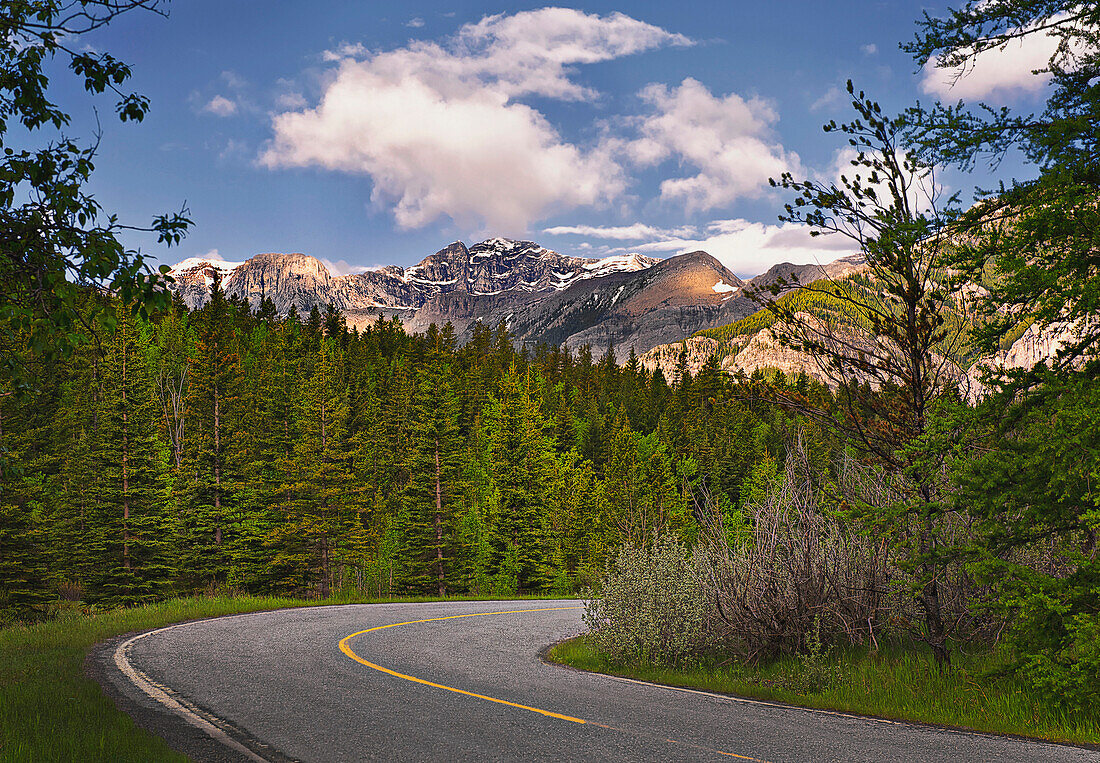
column 898, row 683
column 50, row 711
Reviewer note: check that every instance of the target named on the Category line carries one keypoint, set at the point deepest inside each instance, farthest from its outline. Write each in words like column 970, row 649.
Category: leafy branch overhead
column 58, row 246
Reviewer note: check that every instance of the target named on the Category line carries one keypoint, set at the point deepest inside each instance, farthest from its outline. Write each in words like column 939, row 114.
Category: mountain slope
column 626, row 302
column 492, row 267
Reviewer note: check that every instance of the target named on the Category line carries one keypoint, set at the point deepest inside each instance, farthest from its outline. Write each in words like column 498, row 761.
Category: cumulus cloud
column 415, row 23
column 233, row 80
column 1000, row 73
column 728, row 139
column 750, row 248
column 439, row 130
column 220, row 106
column 869, row 49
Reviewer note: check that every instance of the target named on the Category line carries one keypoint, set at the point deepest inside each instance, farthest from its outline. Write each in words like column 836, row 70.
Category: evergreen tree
column 1032, row 244
column 26, row 431
column 523, row 463
column 890, row 389
column 131, row 544
column 319, row 509
column 212, row 459
column 435, row 484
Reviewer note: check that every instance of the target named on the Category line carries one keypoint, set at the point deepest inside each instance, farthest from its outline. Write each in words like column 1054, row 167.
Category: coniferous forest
column 225, row 449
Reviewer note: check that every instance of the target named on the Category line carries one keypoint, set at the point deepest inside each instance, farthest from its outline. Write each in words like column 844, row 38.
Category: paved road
column 278, row 686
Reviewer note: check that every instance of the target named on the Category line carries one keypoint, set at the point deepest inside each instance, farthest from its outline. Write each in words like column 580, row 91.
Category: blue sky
column 371, row 133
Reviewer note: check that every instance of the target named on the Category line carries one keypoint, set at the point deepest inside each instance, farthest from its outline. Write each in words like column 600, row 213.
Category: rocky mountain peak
column 492, row 267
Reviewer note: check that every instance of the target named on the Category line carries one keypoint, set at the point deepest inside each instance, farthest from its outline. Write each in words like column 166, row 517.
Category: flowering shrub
column 653, row 609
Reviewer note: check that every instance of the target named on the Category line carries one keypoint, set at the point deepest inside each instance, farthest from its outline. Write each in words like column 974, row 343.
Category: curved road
column 445, row 682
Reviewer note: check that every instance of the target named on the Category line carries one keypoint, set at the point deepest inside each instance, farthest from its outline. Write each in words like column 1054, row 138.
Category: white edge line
column 141, row 681
column 161, row 695
column 765, row 703
column 837, row 713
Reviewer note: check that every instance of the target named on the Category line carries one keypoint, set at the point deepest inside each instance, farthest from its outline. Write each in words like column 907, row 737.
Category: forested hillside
column 231, row 450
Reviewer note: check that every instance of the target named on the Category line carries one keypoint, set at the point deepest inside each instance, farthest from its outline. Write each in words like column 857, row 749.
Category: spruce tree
column 435, row 482
column 131, row 545
column 523, row 463
column 26, row 433
column 319, row 511
column 208, row 497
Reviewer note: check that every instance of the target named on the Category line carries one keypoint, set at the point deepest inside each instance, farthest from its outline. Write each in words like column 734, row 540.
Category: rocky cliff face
column 1036, row 345
column 194, row 276
column 757, row 351
column 626, row 308
column 493, row 267
column 667, row 302
column 747, row 354
column 289, row 279
column 626, row 302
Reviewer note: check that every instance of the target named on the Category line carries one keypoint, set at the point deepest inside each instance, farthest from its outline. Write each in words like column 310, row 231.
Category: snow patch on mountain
column 194, row 262
column 487, row 269
column 621, row 263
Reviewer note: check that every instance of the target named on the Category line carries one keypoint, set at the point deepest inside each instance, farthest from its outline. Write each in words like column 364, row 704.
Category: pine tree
column 79, row 415
column 130, row 546
column 435, row 485
column 273, row 423
column 523, row 462
column 212, row 459
column 25, row 572
column 319, row 508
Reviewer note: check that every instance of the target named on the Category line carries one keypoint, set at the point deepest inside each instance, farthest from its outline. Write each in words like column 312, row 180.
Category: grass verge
column 50, row 711
column 896, row 683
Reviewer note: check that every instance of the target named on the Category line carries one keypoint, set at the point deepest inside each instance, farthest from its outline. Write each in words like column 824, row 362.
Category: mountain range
column 624, row 302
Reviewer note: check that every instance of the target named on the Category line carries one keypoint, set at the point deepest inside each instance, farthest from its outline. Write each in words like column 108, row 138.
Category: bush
column 1059, row 649
column 654, row 608
column 800, row 573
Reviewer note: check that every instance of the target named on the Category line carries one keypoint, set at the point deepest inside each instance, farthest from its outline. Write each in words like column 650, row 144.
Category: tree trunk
column 326, row 568
column 930, row 599
column 125, row 471
column 217, row 468
column 439, row 523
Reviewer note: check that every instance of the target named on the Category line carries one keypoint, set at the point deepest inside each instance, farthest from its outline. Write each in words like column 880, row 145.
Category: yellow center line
column 346, row 649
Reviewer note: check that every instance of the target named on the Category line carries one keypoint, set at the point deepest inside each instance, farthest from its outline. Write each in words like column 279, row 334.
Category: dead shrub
column 799, row 571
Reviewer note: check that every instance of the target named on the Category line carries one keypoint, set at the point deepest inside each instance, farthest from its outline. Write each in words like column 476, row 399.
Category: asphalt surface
column 277, row 686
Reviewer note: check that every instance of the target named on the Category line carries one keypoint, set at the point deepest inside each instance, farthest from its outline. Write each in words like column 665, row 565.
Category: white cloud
column 343, row 267
column 831, row 97
column 220, row 106
column 634, row 232
column 438, row 129
column 869, row 49
column 1001, row 73
column 291, row 100
column 234, row 149
column 415, row 23
column 345, row 50
column 233, row 80
column 727, row 139
column 749, row 248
